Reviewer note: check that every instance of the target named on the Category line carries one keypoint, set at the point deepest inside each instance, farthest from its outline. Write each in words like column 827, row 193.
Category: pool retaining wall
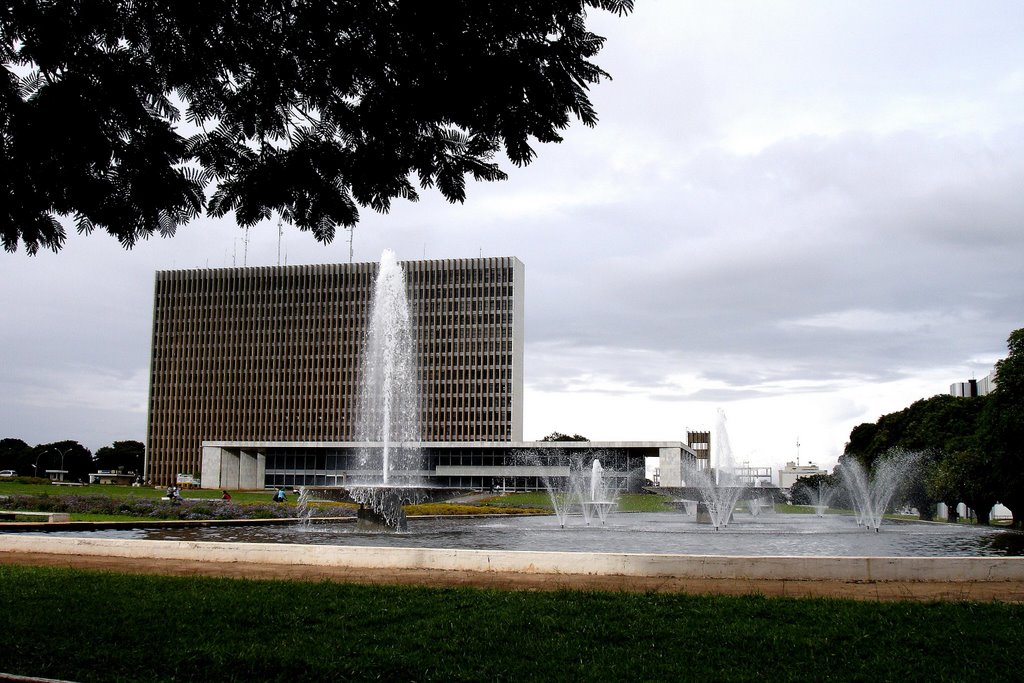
column 853, row 569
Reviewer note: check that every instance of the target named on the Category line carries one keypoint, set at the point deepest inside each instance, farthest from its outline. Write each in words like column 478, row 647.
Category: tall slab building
column 273, row 354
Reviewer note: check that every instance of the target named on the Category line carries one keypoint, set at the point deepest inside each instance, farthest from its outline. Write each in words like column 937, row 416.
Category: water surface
column 668, row 533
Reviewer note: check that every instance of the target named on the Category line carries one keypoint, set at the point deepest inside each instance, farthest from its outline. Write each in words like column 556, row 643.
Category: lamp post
column 62, row 452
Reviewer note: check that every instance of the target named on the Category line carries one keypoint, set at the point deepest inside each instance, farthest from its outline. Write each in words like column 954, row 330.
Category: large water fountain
column 871, row 492
column 389, row 392
column 389, row 464
column 718, row 489
column 821, row 499
column 577, row 483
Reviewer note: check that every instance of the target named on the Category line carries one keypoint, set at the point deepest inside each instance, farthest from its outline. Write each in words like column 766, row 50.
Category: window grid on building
column 273, row 354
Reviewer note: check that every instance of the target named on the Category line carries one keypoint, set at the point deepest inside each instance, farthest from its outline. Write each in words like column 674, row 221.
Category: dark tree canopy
column 15, row 455
column 559, row 436
column 1003, row 426
column 970, row 448
column 940, row 423
column 122, row 456
column 69, row 455
column 932, row 427
column 308, row 109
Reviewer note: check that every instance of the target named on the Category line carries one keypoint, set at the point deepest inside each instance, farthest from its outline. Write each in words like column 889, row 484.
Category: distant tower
column 700, row 443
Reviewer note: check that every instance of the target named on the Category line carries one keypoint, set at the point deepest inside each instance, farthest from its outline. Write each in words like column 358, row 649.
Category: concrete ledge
column 50, row 517
column 846, row 569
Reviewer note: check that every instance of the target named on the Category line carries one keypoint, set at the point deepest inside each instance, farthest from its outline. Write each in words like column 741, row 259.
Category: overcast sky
column 806, row 214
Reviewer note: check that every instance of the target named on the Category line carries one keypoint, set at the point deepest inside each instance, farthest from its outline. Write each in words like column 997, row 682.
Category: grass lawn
column 628, row 502
column 18, row 488
column 89, row 626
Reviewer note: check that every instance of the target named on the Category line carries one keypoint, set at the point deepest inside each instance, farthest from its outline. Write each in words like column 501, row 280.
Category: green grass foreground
column 91, row 626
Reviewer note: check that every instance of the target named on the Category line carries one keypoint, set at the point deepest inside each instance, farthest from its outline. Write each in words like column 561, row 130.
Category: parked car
column 8, row 473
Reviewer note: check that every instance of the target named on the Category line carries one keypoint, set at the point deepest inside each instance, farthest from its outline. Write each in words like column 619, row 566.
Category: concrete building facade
column 508, row 466
column 789, row 474
column 272, row 355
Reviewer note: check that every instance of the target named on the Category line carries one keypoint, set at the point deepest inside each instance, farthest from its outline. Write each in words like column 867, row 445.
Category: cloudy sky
column 805, row 214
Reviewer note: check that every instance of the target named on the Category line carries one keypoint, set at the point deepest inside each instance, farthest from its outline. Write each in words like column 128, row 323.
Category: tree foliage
column 972, row 449
column 310, row 109
column 121, row 456
column 1002, row 427
column 940, row 423
column 805, row 491
column 68, row 455
column 931, row 427
column 559, row 436
column 967, row 476
column 15, row 455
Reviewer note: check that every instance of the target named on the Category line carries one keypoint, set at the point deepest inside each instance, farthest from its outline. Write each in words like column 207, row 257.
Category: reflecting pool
column 668, row 533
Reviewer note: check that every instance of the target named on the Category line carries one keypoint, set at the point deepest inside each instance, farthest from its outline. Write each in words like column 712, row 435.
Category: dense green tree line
column 76, row 459
column 971, row 449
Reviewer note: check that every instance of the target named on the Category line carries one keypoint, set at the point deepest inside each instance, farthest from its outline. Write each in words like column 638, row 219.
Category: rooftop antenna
column 234, row 252
column 280, row 231
column 798, row 451
column 351, row 235
column 245, row 252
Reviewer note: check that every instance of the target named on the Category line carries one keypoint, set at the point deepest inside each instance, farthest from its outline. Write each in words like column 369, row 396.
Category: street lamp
column 62, row 452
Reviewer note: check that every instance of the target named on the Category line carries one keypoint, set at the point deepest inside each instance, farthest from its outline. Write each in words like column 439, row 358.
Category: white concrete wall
column 224, row 469
column 252, row 469
column 229, row 463
column 916, row 569
column 670, row 462
column 209, row 476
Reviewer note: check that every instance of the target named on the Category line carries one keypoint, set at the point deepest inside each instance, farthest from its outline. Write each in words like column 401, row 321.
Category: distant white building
column 974, row 387
column 792, row 471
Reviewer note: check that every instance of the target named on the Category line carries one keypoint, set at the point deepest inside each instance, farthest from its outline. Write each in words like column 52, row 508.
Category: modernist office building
column 272, row 354
column 255, row 378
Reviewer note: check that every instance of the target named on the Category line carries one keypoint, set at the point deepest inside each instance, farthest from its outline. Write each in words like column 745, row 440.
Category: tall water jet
column 555, row 474
column 722, row 451
column 872, row 492
column 389, row 391
column 821, row 499
column 720, row 490
column 602, row 497
column 718, row 499
column 573, row 481
column 390, row 462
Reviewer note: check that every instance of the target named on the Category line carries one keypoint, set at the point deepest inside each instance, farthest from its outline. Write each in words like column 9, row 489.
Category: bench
column 50, row 516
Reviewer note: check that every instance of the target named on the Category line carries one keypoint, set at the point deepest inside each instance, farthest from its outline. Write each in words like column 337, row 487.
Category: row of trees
column 971, row 449
column 76, row 459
